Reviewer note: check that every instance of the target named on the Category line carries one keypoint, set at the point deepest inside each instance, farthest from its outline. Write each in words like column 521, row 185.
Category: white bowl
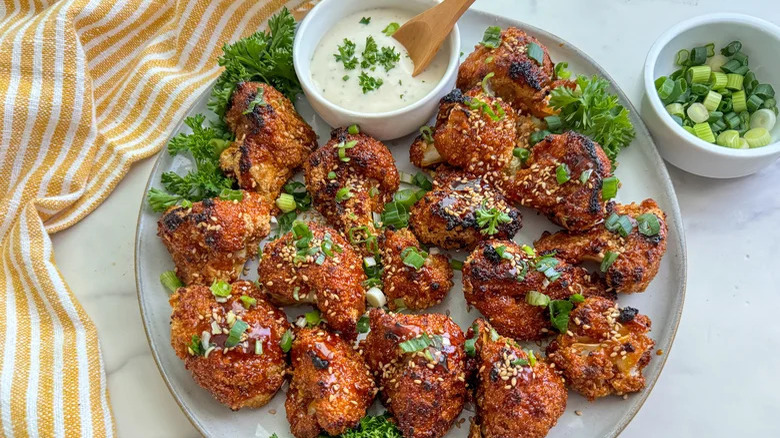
column 761, row 42
column 386, row 125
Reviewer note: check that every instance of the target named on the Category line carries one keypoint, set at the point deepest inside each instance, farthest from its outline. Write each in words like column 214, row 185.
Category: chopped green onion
column 343, row 194
column 741, row 57
column 492, row 37
column 624, row 226
column 286, row 342
column 732, row 48
column 470, row 346
column 666, row 89
column 485, row 86
column 520, row 362
column 648, row 224
column 535, row 298
column 258, row 346
column 331, row 175
column 710, row 49
column 391, row 29
column 522, row 153
column 609, row 258
column 734, row 81
column 537, row 136
column 758, row 137
column 535, row 52
column 731, row 66
column 353, row 129
column 712, row 100
column 729, row 138
column 739, row 101
column 765, row 91
column 698, row 113
column 577, row 298
column 220, row 289
column 700, row 89
column 248, row 301
column 585, row 175
column 754, row 103
column 554, row 123
column 715, row 116
column 363, row 324
column 301, row 230
column 395, row 215
column 416, row 344
column 456, row 264
column 171, row 281
column 682, row 57
column 234, row 337
column 195, row 346
column 561, row 71
column 313, row 318
column 413, row 257
column 763, row 118
column 502, row 252
column 704, row 132
column 286, row 202
column 559, row 314
column 609, row 187
column 493, row 335
column 426, row 133
column 562, row 173
column 675, row 109
column 699, row 74
column 718, row 80
column 698, row 57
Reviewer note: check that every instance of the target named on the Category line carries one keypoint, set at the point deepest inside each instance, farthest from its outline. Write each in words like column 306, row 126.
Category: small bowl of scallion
column 710, row 99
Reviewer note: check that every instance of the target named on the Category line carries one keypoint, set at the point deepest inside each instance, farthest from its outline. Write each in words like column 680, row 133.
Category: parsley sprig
column 489, row 219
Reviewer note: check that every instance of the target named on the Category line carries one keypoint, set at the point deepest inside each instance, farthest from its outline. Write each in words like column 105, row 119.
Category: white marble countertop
column 714, row 383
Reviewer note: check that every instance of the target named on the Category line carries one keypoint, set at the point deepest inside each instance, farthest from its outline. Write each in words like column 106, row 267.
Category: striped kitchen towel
column 87, row 88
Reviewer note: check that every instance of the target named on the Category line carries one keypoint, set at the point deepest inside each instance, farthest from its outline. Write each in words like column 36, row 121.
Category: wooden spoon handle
column 444, row 15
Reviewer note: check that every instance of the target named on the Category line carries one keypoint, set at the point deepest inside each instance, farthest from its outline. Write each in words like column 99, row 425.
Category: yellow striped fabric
column 87, row 88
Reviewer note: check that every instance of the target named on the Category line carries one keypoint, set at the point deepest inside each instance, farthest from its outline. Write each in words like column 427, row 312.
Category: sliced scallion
column 609, row 187
column 758, row 137
column 704, row 132
column 535, row 298
column 234, row 337
column 729, row 139
column 718, row 80
column 763, row 118
column 562, row 173
column 286, row 342
column 170, row 281
column 609, row 258
column 648, row 224
column 286, row 202
column 699, row 74
column 739, row 101
column 734, row 81
column 416, row 344
column 535, row 52
column 220, row 289
column 712, row 100
column 698, row 113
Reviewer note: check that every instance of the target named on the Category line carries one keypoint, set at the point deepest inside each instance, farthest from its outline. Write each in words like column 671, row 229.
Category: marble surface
column 714, row 384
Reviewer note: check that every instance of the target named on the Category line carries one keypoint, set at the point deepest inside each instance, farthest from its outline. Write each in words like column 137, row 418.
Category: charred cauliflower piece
column 461, row 211
column 331, row 386
column 423, row 153
column 419, row 363
column 572, row 204
column 272, row 140
column 313, row 264
column 638, row 239
column 518, row 395
column 350, row 178
column 214, row 238
column 519, row 79
column 606, row 351
column 475, row 131
column 231, row 346
column 406, row 285
column 498, row 276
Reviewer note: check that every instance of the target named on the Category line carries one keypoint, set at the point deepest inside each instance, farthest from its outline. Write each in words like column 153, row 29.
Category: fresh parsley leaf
column 492, row 37
column 388, row 58
column 369, row 83
column 346, row 55
column 488, row 220
column 343, row 194
column 370, row 426
column 258, row 100
column 391, row 29
column 593, row 111
column 370, row 53
column 365, row 20
column 264, row 57
column 196, row 346
column 559, row 314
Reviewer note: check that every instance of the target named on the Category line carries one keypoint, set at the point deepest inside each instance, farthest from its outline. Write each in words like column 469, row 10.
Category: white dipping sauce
column 342, row 86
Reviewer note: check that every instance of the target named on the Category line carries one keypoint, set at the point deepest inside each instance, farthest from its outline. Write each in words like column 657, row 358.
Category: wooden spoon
column 423, row 35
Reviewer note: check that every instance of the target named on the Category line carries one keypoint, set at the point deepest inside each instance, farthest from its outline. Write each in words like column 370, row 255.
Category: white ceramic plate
column 643, row 175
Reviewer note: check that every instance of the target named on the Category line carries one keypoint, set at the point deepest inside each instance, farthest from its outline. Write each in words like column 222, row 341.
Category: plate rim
column 641, row 129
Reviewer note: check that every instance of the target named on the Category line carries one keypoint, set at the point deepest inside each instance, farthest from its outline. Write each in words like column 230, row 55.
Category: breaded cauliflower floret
column 639, row 252
column 331, row 386
column 498, row 275
column 518, row 395
column 520, row 80
column 214, row 238
column 575, row 203
column 408, row 287
column 241, row 374
column 449, row 215
column 475, row 131
column 272, row 140
column 607, row 350
column 425, row 388
column 350, row 178
column 313, row 264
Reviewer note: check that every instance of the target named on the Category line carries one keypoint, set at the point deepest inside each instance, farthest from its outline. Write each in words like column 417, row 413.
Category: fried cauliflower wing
column 607, row 351
column 214, row 238
column 448, row 216
column 406, row 286
column 518, row 395
column 272, row 140
column 350, row 178
column 423, row 153
column 475, row 131
column 499, row 274
column 640, row 251
column 573, row 204
column 313, row 264
column 234, row 373
column 520, row 80
column 425, row 388
column 331, row 386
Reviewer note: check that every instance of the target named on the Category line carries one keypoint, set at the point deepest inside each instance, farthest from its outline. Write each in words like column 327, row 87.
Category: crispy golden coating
column 497, row 286
column 573, row 205
column 517, row 396
column 467, row 136
column 447, row 215
column 272, row 140
column 423, row 153
column 332, row 283
column 406, row 286
column 639, row 255
column 214, row 238
column 236, row 376
column 608, row 349
column 331, row 386
column 423, row 390
column 346, row 201
column 519, row 80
